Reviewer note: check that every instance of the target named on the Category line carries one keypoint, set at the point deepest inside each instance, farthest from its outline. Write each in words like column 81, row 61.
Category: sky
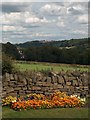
column 28, row 21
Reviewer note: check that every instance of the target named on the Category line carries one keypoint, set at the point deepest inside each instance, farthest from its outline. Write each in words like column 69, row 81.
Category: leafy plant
column 7, row 65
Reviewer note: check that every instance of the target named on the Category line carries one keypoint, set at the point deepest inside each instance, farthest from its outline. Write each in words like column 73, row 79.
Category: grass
column 46, row 113
column 39, row 66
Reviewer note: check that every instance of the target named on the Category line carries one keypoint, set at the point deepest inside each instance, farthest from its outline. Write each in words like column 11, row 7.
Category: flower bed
column 38, row 101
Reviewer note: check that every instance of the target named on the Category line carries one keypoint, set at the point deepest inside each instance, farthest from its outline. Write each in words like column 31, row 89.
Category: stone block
column 86, row 88
column 71, row 78
column 48, row 79
column 66, row 78
column 24, row 88
column 15, row 77
column 68, row 73
column 39, row 83
column 55, row 86
column 24, row 82
column 59, row 86
column 52, row 74
column 5, row 83
column 21, row 91
column 39, row 92
column 28, row 92
column 35, row 88
column 44, row 88
column 68, row 83
column 76, row 73
column 62, row 73
column 7, row 77
column 60, row 80
column 72, row 88
column 4, row 94
column 29, row 81
column 18, row 88
column 28, row 87
column 20, row 85
column 34, row 80
column 44, row 79
column 47, row 84
column 54, row 79
column 75, row 83
column 11, row 77
column 10, row 90
column 14, row 94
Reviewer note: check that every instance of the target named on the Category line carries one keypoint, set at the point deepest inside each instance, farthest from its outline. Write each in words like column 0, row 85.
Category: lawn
column 46, row 113
column 39, row 66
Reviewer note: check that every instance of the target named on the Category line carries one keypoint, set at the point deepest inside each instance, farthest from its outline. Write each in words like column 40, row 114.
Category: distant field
column 39, row 66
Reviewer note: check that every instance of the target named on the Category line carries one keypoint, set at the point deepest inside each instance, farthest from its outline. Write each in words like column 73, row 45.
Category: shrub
column 7, row 65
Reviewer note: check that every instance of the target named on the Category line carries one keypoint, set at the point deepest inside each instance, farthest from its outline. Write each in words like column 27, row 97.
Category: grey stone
column 71, row 78
column 7, row 77
column 10, row 90
column 11, row 77
column 49, row 79
column 86, row 88
column 15, row 77
column 68, row 83
column 28, row 87
column 18, row 88
column 44, row 79
column 60, row 80
column 24, row 88
column 29, row 81
column 75, row 83
column 35, row 88
column 28, row 92
column 14, row 94
column 76, row 73
column 39, row 83
column 60, row 86
column 54, row 79
column 52, row 74
column 47, row 84
column 44, row 88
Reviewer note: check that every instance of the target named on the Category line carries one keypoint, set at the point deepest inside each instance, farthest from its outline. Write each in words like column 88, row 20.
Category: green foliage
column 74, row 51
column 10, row 50
column 7, row 65
column 76, row 55
column 63, row 43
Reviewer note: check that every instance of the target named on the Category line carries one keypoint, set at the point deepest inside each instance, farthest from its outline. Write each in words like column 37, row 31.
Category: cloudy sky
column 26, row 21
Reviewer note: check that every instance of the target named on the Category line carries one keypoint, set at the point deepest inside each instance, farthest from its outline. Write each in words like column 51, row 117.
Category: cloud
column 14, row 7
column 53, row 9
column 61, row 22
column 83, row 19
column 74, row 10
column 34, row 19
column 82, row 32
column 44, row 20
column 12, row 28
column 45, row 1
column 22, row 18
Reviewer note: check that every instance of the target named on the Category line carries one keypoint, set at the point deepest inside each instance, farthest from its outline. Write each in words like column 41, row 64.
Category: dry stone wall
column 75, row 82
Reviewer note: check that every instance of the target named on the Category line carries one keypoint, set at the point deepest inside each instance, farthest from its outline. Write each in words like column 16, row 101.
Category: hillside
column 75, row 51
column 10, row 50
column 63, row 43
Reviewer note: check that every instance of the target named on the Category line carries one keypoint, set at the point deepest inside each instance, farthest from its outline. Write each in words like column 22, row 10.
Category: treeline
column 76, row 55
column 63, row 43
column 10, row 50
column 70, row 51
